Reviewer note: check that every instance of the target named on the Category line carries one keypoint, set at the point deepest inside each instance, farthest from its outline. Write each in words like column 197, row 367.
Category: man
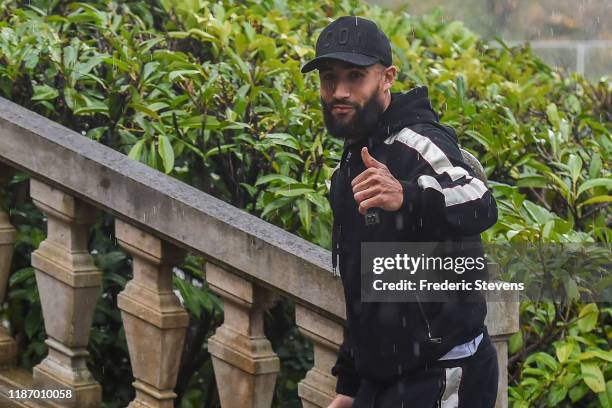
column 402, row 170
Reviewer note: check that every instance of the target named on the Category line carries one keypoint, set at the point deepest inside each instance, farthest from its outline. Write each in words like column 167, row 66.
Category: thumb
column 369, row 161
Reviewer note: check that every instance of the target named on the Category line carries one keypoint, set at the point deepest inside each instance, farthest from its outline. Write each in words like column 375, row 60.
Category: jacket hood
column 405, row 109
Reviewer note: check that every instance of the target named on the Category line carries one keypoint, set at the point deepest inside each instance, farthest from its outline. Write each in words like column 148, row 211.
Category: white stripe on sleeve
column 441, row 164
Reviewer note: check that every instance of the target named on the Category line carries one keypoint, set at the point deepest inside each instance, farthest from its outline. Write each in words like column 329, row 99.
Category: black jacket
column 443, row 201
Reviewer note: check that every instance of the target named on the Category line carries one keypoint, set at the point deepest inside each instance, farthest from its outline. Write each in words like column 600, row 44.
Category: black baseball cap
column 351, row 39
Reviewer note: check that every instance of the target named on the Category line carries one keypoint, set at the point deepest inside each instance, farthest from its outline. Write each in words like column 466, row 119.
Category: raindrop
column 399, row 222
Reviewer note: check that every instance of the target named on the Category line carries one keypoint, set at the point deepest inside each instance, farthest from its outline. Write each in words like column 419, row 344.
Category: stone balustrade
column 158, row 219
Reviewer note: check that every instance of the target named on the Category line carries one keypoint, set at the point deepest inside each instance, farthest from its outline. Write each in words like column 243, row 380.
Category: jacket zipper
column 338, row 240
column 346, row 161
column 435, row 340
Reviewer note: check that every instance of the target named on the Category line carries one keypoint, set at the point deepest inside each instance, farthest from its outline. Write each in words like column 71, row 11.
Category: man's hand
column 376, row 186
column 341, row 401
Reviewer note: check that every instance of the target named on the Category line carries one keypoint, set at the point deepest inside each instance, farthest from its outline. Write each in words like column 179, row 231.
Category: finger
column 365, row 194
column 363, row 176
column 365, row 184
column 369, row 203
column 369, row 161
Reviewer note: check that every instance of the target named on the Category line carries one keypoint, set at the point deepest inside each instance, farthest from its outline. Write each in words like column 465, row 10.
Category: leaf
column 21, row 275
column 605, row 398
column 295, row 192
column 148, row 69
column 564, row 351
column 44, row 93
column 595, row 165
column 110, row 259
column 81, row 69
column 275, row 177
column 546, row 359
column 136, row 150
column 274, row 205
column 556, row 394
column 593, row 377
column 202, row 34
column 515, row 342
column 92, row 106
column 284, row 139
column 588, row 317
column 33, row 322
column 596, row 200
column 144, row 109
column 74, row 99
column 553, row 115
column 598, row 182
column 152, row 158
column 571, row 289
column 539, row 214
column 116, row 63
column 166, row 152
column 577, row 392
column 575, row 166
column 532, row 181
column 305, row 213
column 182, row 73
column 600, row 354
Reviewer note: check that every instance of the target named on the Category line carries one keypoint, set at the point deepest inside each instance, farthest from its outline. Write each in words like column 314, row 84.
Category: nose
column 342, row 90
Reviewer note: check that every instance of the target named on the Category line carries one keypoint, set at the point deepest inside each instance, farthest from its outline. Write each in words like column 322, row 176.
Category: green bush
column 211, row 93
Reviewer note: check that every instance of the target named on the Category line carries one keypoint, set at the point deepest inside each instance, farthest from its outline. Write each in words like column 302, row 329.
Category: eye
column 355, row 74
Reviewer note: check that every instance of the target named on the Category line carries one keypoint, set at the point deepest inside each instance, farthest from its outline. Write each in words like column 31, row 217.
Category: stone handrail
column 157, row 220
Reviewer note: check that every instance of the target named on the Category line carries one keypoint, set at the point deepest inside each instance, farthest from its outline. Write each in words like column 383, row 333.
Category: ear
column 389, row 75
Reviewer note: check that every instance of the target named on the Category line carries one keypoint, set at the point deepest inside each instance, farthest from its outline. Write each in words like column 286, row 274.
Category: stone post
column 8, row 347
column 318, row 388
column 154, row 320
column 502, row 321
column 68, row 284
column 245, row 364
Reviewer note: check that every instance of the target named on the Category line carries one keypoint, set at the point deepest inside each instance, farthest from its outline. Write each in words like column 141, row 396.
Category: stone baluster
column 318, row 388
column 245, row 364
column 502, row 322
column 8, row 347
column 154, row 320
column 69, row 285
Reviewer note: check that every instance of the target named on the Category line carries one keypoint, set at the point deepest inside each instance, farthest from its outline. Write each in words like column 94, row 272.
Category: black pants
column 463, row 383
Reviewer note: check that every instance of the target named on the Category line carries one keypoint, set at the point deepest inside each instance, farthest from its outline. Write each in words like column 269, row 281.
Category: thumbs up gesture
column 376, row 186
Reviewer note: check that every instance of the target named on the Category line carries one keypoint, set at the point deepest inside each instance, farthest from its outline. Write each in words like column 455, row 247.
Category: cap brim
column 357, row 59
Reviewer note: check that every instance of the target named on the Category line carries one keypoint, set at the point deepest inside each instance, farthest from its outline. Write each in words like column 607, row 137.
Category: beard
column 359, row 125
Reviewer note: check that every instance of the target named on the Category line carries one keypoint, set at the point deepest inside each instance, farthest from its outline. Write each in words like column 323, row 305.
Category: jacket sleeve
column 442, row 194
column 344, row 369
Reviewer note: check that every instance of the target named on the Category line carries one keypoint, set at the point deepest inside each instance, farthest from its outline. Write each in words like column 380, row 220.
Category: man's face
column 352, row 98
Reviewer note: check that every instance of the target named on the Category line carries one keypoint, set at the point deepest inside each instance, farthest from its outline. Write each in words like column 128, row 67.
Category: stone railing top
column 168, row 207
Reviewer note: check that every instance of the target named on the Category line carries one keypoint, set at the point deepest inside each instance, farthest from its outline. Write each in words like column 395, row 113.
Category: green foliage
column 578, row 363
column 211, row 93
